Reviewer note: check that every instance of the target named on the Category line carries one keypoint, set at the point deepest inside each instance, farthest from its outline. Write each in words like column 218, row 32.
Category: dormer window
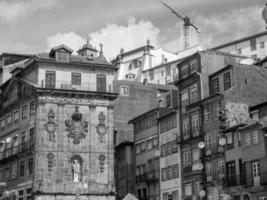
column 62, row 56
column 61, row 53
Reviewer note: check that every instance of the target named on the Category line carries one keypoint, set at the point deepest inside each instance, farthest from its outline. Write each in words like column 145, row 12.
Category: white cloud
column 71, row 39
column 15, row 10
column 231, row 25
column 113, row 37
column 133, row 35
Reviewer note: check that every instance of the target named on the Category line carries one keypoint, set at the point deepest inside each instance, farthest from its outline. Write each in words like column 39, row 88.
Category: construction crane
column 187, row 23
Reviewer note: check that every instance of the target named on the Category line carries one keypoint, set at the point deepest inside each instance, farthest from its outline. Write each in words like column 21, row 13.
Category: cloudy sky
column 33, row 26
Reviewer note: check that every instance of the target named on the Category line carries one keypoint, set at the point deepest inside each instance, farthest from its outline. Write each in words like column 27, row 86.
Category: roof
column 77, row 59
column 165, row 64
column 124, row 143
column 158, row 109
column 62, row 46
column 167, row 113
column 127, row 53
column 257, row 106
column 239, row 40
column 16, row 54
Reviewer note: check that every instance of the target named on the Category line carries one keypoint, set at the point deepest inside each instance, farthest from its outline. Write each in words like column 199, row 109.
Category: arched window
column 76, row 168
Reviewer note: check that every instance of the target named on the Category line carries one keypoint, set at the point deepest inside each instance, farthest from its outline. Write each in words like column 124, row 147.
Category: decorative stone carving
column 76, row 127
column 51, row 126
column 50, row 162
column 101, row 159
column 101, row 128
column 76, row 162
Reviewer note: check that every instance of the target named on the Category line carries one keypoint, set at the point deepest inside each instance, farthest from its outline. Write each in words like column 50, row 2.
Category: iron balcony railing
column 140, row 178
column 214, row 149
column 14, row 150
column 234, row 180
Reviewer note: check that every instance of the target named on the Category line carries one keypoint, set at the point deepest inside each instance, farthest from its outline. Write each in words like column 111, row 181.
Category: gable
column 14, row 92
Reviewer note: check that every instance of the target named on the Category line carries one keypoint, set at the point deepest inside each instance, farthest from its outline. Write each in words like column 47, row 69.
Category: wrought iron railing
column 14, row 150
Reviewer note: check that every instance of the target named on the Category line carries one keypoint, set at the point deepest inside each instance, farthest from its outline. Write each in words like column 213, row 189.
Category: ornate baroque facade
column 57, row 137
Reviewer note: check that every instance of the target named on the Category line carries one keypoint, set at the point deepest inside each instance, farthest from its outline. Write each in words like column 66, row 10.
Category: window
column 218, row 108
column 76, row 78
column 16, row 116
column 21, row 195
column 7, row 173
column 2, row 123
column 208, row 170
column 185, row 128
column 32, row 108
column 176, row 171
column 207, row 112
column 175, row 195
column 30, row 166
column 151, row 75
column 22, row 168
column 247, row 139
column 50, row 79
column 239, row 51
column 208, row 142
column 253, row 44
column 184, row 70
column 62, row 56
column 215, row 86
column 101, row 83
column 155, row 142
column 143, row 146
column 188, row 189
column 262, row 45
column 169, row 173
column 193, row 93
column 255, row 137
column 186, row 158
column 195, row 125
column 14, row 170
column 24, row 112
column 262, row 198
column 227, row 81
column 221, row 167
column 174, row 121
column 162, row 125
column 163, row 174
column 185, row 100
column 196, row 154
column 162, row 73
column 193, row 66
column 138, row 148
column 29, row 193
column 168, row 100
column 168, row 70
column 174, row 146
column 124, row 91
column 2, row 175
column 149, row 144
column 229, row 138
column 9, row 120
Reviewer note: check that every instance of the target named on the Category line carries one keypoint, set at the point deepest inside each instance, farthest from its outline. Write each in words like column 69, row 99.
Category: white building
column 253, row 46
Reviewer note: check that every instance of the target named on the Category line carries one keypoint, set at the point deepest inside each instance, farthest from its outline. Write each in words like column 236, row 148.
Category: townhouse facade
column 252, row 46
column 56, row 119
column 170, row 155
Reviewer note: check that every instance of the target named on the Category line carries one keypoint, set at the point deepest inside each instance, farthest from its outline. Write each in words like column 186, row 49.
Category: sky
column 35, row 26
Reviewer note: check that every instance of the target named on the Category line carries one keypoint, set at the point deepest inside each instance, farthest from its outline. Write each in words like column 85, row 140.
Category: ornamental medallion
column 51, row 126
column 76, row 127
column 101, row 128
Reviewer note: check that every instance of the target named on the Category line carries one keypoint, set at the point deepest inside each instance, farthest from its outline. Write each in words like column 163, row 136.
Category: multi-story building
column 170, row 172
column 134, row 99
column 133, row 62
column 253, row 46
column 146, row 147
column 193, row 86
column 56, row 131
column 232, row 90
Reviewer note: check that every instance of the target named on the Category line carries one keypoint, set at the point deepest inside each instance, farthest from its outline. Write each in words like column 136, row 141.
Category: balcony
column 235, row 180
column 140, row 178
column 152, row 176
column 66, row 85
column 15, row 150
column 214, row 151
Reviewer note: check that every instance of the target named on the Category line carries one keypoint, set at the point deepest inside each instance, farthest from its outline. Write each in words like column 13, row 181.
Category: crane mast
column 186, row 21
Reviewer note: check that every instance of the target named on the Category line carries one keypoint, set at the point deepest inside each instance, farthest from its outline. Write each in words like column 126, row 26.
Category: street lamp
column 264, row 14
